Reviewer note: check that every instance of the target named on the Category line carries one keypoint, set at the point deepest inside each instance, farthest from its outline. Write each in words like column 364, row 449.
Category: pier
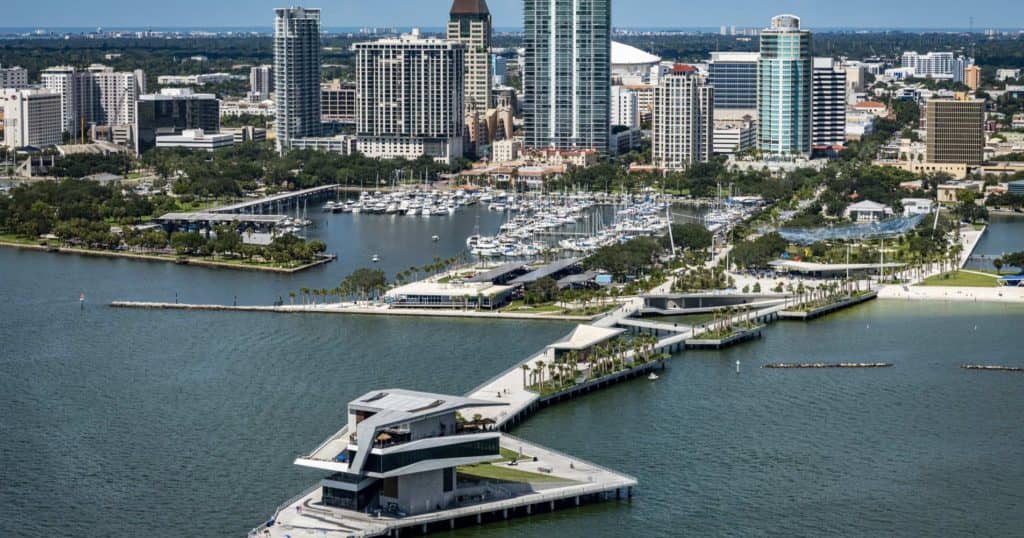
column 805, row 315
column 819, row 365
column 991, row 368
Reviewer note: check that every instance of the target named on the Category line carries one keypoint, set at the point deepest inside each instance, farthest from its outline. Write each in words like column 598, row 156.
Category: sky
column 508, row 13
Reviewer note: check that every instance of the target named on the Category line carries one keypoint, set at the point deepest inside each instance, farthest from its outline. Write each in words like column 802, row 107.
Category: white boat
column 435, row 238
column 653, row 376
column 375, row 258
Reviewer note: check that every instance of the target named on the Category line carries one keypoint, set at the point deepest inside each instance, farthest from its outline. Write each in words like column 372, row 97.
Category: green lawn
column 503, row 472
column 962, row 279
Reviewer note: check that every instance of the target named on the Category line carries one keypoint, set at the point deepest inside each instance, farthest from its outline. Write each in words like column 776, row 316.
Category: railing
column 254, row 532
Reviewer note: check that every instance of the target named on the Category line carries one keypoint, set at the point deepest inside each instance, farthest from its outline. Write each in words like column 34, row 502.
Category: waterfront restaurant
column 398, row 452
column 582, row 341
column 464, row 295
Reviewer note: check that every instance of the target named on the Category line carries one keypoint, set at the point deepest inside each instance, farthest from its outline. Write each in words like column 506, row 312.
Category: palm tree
column 291, row 297
column 540, row 372
column 304, row 291
column 526, row 368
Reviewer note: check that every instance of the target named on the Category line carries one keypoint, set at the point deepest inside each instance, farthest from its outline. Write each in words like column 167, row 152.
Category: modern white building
column 867, row 211
column 261, row 82
column 828, row 104
column 398, row 452
column 409, row 98
column 297, row 74
column 1003, row 75
column 31, row 118
column 13, row 77
column 625, row 107
column 196, row 139
column 630, row 62
column 734, row 137
column 267, row 109
column 683, row 119
column 936, row 65
column 341, row 144
column 97, row 95
column 917, row 206
column 201, row 79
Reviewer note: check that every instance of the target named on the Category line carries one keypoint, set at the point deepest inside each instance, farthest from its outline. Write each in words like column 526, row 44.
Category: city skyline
column 508, row 14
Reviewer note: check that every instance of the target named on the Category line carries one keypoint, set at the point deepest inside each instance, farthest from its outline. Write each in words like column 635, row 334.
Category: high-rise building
column 338, row 102
column 297, row 74
column 499, row 71
column 171, row 112
column 261, row 82
column 734, row 76
column 955, row 131
column 31, row 118
column 625, row 107
column 97, row 95
column 972, row 77
column 936, row 65
column 566, row 77
column 409, row 98
column 682, row 127
column 13, row 77
column 784, row 88
column 469, row 23
column 856, row 75
column 828, row 104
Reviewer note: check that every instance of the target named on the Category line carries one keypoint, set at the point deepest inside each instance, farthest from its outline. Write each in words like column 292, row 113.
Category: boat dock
column 274, row 202
column 805, row 315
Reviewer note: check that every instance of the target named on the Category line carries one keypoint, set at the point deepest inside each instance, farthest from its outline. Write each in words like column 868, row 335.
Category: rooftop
column 585, row 336
column 452, row 289
column 469, row 7
column 546, row 271
column 623, row 54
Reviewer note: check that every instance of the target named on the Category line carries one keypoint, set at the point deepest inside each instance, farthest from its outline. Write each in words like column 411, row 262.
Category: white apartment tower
column 261, row 82
column 682, row 127
column 95, row 96
column 13, row 77
column 31, row 118
column 937, row 65
column 625, row 107
column 297, row 74
column 409, row 93
column 469, row 23
column 828, row 104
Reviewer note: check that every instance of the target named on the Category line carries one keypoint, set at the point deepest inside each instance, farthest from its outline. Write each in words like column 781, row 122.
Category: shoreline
column 198, row 262
column 953, row 294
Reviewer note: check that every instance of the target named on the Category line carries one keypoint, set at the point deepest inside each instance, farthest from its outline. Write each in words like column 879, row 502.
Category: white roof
column 867, row 205
column 623, row 54
column 584, row 336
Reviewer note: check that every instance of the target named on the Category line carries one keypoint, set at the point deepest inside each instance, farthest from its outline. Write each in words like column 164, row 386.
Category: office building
column 734, row 76
column 171, row 112
column 683, row 119
column 469, row 23
column 338, row 102
column 261, row 82
column 196, row 139
column 409, row 98
column 856, row 77
column 731, row 137
column 972, row 77
column 956, row 131
column 499, row 72
column 784, row 88
column 31, row 118
column 399, row 451
column 297, row 74
column 828, row 104
column 13, row 77
column 566, row 77
column 625, row 107
column 936, row 65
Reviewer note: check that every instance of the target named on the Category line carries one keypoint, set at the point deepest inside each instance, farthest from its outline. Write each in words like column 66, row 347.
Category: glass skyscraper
column 567, row 79
column 734, row 76
column 297, row 73
column 784, row 88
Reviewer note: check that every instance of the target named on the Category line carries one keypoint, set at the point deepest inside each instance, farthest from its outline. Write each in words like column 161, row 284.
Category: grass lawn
column 962, row 279
column 503, row 472
column 520, row 306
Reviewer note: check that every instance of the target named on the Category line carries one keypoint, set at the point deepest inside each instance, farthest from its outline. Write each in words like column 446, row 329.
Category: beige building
column 972, row 77
column 469, row 23
column 682, row 131
column 956, row 131
column 30, row 118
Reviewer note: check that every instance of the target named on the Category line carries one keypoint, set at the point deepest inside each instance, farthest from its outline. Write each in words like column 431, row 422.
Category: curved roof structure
column 623, row 54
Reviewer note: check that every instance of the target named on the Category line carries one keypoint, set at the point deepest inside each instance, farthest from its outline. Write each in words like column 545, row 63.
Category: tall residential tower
column 681, row 131
column 470, row 24
column 784, row 88
column 297, row 74
column 567, row 79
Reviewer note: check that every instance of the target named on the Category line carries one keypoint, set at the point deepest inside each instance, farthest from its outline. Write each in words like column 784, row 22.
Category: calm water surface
column 146, row 423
